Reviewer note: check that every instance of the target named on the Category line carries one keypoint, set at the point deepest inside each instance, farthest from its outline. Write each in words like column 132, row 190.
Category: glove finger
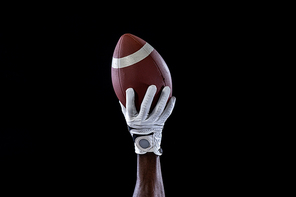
column 130, row 103
column 160, row 104
column 168, row 110
column 122, row 108
column 146, row 103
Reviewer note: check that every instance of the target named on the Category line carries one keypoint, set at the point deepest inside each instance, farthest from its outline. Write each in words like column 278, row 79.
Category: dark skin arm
column 149, row 179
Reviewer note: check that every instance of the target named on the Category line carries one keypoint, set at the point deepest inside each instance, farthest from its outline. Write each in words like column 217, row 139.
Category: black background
column 61, row 123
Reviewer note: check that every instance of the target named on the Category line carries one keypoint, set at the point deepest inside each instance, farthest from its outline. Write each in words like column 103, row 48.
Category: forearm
column 149, row 177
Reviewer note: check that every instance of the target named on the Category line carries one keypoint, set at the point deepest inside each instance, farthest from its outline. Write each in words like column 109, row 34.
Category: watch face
column 144, row 143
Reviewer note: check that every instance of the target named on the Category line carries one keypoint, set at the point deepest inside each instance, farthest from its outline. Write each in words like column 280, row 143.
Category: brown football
column 137, row 65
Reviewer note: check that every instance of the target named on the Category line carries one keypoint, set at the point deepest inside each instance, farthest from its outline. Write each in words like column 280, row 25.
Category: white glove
column 146, row 129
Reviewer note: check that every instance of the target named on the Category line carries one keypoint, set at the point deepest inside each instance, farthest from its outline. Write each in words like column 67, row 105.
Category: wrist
column 148, row 143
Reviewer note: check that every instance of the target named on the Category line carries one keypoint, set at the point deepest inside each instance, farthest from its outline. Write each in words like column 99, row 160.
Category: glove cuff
column 148, row 143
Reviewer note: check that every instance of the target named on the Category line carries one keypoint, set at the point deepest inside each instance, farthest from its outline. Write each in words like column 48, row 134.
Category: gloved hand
column 145, row 128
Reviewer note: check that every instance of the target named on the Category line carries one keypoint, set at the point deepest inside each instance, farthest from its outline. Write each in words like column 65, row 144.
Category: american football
column 136, row 64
